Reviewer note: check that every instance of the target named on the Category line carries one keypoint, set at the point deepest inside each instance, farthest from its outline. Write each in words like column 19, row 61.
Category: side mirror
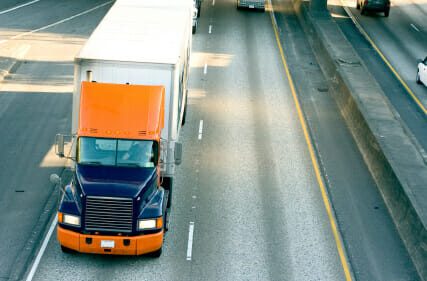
column 55, row 179
column 178, row 153
column 60, row 143
column 63, row 142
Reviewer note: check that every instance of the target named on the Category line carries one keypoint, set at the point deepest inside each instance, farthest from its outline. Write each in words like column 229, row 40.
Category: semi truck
column 129, row 98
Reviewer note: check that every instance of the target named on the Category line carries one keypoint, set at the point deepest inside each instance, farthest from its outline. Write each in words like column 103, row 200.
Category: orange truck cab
column 115, row 203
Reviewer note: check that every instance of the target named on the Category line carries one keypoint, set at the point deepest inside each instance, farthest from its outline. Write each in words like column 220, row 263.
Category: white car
column 422, row 72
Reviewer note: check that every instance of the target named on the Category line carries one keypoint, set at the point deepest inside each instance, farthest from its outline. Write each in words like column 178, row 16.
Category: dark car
column 374, row 5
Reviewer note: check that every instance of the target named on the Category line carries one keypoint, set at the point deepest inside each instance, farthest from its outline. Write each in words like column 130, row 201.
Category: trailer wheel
column 166, row 220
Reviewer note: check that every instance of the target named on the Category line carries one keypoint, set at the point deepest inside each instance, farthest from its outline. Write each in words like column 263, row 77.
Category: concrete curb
column 11, row 59
column 6, row 66
column 392, row 158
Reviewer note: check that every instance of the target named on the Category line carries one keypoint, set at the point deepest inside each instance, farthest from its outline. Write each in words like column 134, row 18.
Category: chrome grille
column 109, row 214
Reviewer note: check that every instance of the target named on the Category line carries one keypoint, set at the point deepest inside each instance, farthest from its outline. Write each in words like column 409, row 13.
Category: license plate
column 251, row 6
column 107, row 244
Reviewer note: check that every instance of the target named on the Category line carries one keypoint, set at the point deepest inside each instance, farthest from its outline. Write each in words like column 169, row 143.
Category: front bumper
column 137, row 245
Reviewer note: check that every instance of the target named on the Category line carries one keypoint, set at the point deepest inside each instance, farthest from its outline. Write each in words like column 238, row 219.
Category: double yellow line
column 337, row 237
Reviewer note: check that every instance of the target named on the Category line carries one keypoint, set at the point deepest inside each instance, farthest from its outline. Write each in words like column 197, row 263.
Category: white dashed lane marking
column 200, row 129
column 414, row 27
column 190, row 241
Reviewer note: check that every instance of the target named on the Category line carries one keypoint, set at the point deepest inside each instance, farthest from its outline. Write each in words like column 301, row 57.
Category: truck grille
column 109, row 214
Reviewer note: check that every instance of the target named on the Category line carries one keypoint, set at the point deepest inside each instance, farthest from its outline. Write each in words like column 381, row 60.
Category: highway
column 402, row 40
column 256, row 201
column 247, row 190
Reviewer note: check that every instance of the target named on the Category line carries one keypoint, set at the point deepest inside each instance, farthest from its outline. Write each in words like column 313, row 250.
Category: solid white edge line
column 414, row 27
column 200, row 129
column 56, row 23
column 42, row 250
column 190, row 241
column 210, row 29
column 205, row 69
column 17, row 7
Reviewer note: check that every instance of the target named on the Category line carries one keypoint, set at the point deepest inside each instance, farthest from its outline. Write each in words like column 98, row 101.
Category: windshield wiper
column 129, row 164
column 91, row 163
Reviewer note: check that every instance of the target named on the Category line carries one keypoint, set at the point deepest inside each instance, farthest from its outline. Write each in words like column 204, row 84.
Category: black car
column 374, row 5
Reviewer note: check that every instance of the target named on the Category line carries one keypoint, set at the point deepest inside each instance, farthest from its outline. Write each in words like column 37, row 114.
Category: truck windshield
column 117, row 152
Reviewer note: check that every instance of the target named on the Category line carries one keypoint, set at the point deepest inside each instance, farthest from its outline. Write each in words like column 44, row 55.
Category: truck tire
column 387, row 12
column 67, row 250
column 167, row 184
column 156, row 254
column 193, row 30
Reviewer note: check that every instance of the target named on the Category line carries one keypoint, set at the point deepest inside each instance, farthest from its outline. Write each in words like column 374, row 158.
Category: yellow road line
column 319, row 178
column 368, row 38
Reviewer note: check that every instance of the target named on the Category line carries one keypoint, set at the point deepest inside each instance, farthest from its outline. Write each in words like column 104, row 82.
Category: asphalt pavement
column 247, row 186
column 374, row 248
column 35, row 104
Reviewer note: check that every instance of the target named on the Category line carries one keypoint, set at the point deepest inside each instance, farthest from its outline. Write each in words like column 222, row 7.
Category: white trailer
column 143, row 46
column 192, row 5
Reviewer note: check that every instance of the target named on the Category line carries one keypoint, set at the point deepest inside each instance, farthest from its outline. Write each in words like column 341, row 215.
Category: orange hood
column 121, row 111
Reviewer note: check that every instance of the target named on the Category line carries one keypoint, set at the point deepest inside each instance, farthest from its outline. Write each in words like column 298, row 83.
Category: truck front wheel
column 67, row 250
column 167, row 184
column 156, row 254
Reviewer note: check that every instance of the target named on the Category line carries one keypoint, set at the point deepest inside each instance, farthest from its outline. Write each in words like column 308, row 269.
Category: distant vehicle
column 374, row 5
column 422, row 72
column 198, row 6
column 195, row 14
column 251, row 4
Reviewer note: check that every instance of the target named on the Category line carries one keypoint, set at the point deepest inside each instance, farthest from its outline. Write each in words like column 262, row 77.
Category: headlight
column 150, row 224
column 71, row 220
column 146, row 224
